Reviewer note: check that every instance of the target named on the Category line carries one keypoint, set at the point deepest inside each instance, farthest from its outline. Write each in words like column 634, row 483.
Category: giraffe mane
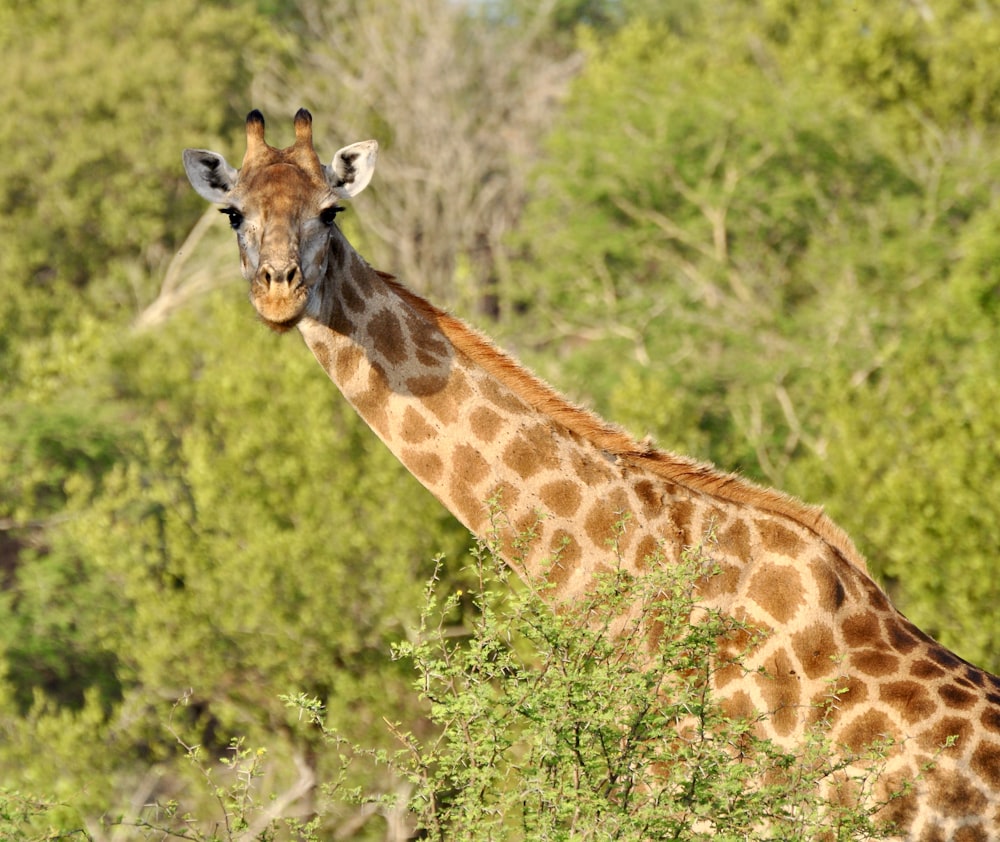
column 697, row 476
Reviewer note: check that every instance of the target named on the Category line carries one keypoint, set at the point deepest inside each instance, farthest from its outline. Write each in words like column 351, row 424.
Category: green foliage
column 596, row 722
column 757, row 256
column 104, row 97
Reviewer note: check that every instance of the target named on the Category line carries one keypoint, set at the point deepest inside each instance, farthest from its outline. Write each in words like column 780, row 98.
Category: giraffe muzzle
column 279, row 294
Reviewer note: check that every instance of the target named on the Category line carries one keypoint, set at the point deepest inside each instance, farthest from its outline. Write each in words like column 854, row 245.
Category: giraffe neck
column 473, row 426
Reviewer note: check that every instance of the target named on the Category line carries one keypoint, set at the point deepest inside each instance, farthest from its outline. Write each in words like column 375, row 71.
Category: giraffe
column 473, row 425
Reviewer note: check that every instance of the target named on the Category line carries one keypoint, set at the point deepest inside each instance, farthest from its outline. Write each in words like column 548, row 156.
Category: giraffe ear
column 352, row 168
column 210, row 176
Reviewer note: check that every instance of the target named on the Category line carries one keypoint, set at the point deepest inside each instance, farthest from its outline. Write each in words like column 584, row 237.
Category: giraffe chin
column 282, row 316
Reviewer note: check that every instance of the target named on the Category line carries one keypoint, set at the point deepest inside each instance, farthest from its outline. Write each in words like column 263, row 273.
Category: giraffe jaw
column 280, row 308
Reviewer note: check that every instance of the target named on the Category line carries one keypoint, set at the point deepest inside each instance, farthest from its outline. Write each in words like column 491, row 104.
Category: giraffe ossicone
column 473, row 426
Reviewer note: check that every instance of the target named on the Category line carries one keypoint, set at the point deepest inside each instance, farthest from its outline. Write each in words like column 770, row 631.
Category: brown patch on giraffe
column 985, row 762
column 738, row 706
column 900, row 637
column 505, row 494
column 909, row 698
column 425, row 385
column 349, row 295
column 722, row 581
column 646, row 552
column 427, row 337
column 815, row 648
column 777, row 538
column 778, row 590
column 680, row 517
column 991, row 719
column 565, row 553
column 971, row 833
column 937, row 735
column 502, row 397
column 468, row 506
column 530, row 452
column 831, row 592
column 780, row 688
column 562, row 497
column 414, row 429
column 443, row 402
column 347, row 362
column 832, row 704
column 926, row 669
column 957, row 698
column 371, row 402
column 732, row 649
column 592, row 471
column 954, row 795
column 867, row 728
column 485, row 423
column 736, row 540
column 387, row 336
column 650, row 497
column 468, row 466
column 862, row 629
column 603, row 519
column 321, row 351
column 426, row 467
column 874, row 662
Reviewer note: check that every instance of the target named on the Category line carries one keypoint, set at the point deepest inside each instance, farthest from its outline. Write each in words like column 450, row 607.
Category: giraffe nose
column 288, row 274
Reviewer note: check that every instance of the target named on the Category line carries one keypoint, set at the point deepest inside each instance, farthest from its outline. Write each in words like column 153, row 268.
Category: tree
column 457, row 102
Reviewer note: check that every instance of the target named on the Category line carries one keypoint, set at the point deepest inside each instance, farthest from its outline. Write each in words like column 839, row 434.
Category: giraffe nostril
column 292, row 273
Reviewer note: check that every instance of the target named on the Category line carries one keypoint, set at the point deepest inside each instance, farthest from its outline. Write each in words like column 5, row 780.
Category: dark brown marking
column 414, row 428
column 780, row 688
column 426, row 467
column 347, row 362
column 530, row 451
column 955, row 697
column 427, row 336
column 991, row 719
column 387, row 336
column 603, row 518
column 778, row 590
column 777, row 538
column 592, row 470
column 942, row 656
column 925, row 669
column 565, row 553
column 349, row 295
column 468, row 506
column 502, row 397
column 650, row 497
column 954, row 795
column 646, row 552
column 863, row 629
column 444, row 403
column 910, row 698
column 831, row 591
column 468, row 466
column 874, row 662
column 986, row 763
column 736, row 540
column 562, row 497
column 485, row 423
column 833, row 704
column 371, row 402
column 865, row 730
column 900, row 638
column 937, row 735
column 720, row 582
column 681, row 515
column 815, row 648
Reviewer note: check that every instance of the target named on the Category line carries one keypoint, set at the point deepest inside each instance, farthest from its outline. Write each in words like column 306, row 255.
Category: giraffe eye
column 327, row 215
column 235, row 217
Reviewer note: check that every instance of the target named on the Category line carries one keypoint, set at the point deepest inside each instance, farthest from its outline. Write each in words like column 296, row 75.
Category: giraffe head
column 282, row 204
